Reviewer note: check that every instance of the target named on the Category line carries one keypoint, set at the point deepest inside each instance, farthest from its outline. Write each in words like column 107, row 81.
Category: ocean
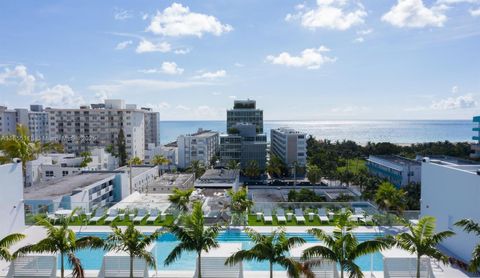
column 399, row 132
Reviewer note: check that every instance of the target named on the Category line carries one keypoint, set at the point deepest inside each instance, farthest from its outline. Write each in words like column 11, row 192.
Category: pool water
column 91, row 259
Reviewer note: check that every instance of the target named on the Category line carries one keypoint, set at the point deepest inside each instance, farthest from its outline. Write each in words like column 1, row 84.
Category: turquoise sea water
column 92, row 259
column 401, row 132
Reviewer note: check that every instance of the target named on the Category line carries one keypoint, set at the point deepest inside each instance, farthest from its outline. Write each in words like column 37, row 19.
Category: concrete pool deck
column 36, row 233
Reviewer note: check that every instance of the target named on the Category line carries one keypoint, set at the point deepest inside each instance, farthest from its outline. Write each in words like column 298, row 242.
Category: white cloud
column 20, row 78
column 310, row 58
column 364, row 32
column 121, row 14
column 212, row 75
column 455, row 89
column 359, row 39
column 182, row 51
column 158, row 106
column 128, row 86
column 123, row 45
column 331, row 14
column 167, row 68
column 146, row 46
column 171, row 68
column 239, row 65
column 475, row 12
column 60, row 96
column 457, row 1
column 182, row 107
column 460, row 102
column 177, row 20
column 414, row 14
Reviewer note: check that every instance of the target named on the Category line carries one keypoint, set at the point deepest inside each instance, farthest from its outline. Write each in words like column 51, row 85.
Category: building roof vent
column 426, row 159
column 478, row 172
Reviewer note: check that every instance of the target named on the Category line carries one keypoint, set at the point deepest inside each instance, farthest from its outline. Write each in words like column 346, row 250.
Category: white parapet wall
column 451, row 193
column 12, row 212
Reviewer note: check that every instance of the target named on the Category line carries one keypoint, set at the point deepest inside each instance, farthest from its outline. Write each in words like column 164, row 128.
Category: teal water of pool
column 92, row 259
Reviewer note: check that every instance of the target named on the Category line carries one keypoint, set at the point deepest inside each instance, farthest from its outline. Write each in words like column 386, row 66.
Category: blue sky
column 301, row 60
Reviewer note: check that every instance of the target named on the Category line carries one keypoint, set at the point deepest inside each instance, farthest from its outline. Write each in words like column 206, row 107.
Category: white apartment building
column 168, row 151
column 87, row 190
column 152, row 127
column 169, row 181
column 99, row 125
column 12, row 212
column 451, row 192
column 398, row 170
column 289, row 145
column 142, row 176
column 10, row 118
column 200, row 146
column 38, row 123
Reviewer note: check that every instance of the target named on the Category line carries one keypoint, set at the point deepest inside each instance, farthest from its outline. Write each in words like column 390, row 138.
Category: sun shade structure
column 401, row 263
column 213, row 262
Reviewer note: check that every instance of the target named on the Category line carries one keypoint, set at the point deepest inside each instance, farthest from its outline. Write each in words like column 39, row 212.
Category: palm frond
column 149, row 258
column 354, row 270
column 10, row 240
column 89, row 242
column 242, row 255
column 293, row 267
column 475, row 261
column 439, row 237
column 77, row 269
column 318, row 251
column 370, row 246
column 469, row 226
column 176, row 253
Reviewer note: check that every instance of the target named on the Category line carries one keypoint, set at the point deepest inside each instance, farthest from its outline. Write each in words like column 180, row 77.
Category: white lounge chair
column 34, row 265
column 117, row 264
column 322, row 214
column 267, row 216
column 213, row 262
column 99, row 214
column 281, row 216
column 326, row 269
column 52, row 217
column 366, row 219
column 140, row 216
column 112, row 216
column 153, row 216
column 299, row 216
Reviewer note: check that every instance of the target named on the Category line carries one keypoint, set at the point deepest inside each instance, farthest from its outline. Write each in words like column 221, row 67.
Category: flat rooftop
column 169, row 179
column 52, row 190
column 203, row 133
column 219, row 175
column 395, row 159
column 136, row 170
column 146, row 201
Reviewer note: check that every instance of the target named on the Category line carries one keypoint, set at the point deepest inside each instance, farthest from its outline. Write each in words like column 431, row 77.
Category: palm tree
column 239, row 204
column 181, row 198
column 160, row 160
column 233, row 165
column 422, row 240
column 133, row 242
column 388, row 197
column 87, row 158
column 275, row 166
column 21, row 147
column 61, row 239
column 197, row 168
column 313, row 174
column 6, row 243
column 193, row 236
column 133, row 161
column 272, row 248
column 341, row 247
column 252, row 171
column 471, row 226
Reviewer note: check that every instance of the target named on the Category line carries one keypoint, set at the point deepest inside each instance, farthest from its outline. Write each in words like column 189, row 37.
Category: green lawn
column 81, row 221
column 354, row 166
column 252, row 221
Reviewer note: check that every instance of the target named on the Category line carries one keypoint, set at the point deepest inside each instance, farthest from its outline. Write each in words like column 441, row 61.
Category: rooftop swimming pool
column 92, row 259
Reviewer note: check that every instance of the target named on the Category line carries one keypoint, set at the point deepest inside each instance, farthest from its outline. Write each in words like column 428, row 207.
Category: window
column 48, row 173
column 64, row 173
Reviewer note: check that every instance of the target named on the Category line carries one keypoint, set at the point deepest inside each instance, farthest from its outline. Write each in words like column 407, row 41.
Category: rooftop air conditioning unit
column 478, row 172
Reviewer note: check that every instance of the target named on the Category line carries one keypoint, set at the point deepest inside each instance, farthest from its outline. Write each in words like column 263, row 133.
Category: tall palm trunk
column 62, row 266
column 199, row 266
column 131, row 266
column 271, row 270
column 418, row 266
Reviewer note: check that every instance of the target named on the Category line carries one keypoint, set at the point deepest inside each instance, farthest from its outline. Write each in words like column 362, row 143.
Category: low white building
column 169, row 181
column 398, row 170
column 219, row 178
column 12, row 212
column 54, row 166
column 167, row 151
column 200, row 146
column 451, row 192
column 142, row 176
column 289, row 145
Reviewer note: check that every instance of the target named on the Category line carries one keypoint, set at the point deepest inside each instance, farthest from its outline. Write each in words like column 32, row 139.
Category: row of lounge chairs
column 358, row 215
column 115, row 214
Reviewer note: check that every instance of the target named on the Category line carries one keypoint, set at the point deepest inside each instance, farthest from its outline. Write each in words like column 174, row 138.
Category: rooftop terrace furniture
column 140, row 216
column 322, row 214
column 38, row 265
column 112, row 216
column 366, row 219
column 267, row 216
column 299, row 216
column 52, row 218
column 213, row 262
column 281, row 216
column 327, row 269
column 99, row 214
column 154, row 214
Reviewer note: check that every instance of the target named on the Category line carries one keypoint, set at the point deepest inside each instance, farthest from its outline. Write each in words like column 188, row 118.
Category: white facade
column 451, row 192
column 200, row 146
column 168, row 152
column 289, row 145
column 167, row 182
column 142, row 176
column 12, row 212
column 38, row 126
column 8, row 121
column 398, row 170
